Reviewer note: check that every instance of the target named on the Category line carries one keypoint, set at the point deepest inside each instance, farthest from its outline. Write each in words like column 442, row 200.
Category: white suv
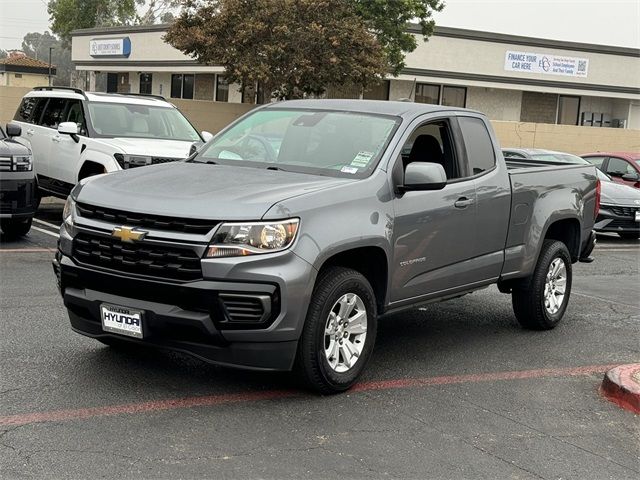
column 74, row 134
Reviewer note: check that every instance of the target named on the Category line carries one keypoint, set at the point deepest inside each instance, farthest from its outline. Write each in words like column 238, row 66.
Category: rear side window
column 479, row 146
column 25, row 110
column 53, row 113
column 597, row 161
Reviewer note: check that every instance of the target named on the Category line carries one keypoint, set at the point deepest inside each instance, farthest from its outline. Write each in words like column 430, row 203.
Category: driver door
column 434, row 231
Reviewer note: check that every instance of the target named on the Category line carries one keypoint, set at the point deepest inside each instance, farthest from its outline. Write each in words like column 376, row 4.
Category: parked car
column 623, row 167
column 74, row 135
column 619, row 209
column 620, row 204
column 17, row 184
column 543, row 155
column 273, row 261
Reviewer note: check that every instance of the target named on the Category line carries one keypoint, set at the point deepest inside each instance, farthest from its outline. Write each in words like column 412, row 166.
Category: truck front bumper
column 191, row 317
column 17, row 197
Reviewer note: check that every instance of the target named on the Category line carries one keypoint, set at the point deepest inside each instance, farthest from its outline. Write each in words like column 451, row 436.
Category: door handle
column 463, row 202
column 56, row 139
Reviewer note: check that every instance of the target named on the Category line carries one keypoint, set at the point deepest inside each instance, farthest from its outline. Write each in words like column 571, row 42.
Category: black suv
column 17, row 184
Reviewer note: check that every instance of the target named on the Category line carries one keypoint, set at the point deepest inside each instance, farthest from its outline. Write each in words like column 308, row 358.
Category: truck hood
column 196, row 190
column 617, row 194
column 11, row 147
column 152, row 147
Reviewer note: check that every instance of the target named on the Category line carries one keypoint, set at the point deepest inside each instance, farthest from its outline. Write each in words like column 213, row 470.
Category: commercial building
column 18, row 70
column 509, row 77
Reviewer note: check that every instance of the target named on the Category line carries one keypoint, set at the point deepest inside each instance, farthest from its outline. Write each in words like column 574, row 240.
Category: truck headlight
column 241, row 239
column 69, row 211
column 22, row 163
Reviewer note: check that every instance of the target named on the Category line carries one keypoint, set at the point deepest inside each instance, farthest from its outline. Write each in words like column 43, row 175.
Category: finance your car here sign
column 544, row 63
column 110, row 47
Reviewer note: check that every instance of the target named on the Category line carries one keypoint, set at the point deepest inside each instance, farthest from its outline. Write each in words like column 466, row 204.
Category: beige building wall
column 487, row 58
column 495, row 103
column 28, row 80
column 566, row 138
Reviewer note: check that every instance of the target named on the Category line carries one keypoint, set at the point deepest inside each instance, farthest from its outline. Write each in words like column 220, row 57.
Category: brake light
column 597, row 207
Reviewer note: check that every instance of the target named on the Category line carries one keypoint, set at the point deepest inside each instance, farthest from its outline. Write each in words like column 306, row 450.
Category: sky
column 607, row 22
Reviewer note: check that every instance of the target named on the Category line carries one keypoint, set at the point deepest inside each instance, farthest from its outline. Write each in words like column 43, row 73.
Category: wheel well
column 568, row 232
column 89, row 169
column 370, row 262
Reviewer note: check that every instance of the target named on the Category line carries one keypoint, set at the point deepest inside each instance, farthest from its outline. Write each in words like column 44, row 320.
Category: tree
column 36, row 45
column 389, row 19
column 69, row 15
column 291, row 47
column 158, row 10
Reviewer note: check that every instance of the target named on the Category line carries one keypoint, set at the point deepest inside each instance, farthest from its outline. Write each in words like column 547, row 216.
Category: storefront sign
column 545, row 64
column 110, row 47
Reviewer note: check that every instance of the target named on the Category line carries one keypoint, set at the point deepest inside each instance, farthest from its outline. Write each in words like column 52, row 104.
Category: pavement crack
column 544, row 434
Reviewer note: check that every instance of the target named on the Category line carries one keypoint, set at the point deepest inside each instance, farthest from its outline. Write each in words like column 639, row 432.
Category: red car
column 623, row 167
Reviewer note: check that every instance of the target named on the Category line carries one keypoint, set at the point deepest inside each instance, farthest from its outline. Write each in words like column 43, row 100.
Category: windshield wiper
column 273, row 167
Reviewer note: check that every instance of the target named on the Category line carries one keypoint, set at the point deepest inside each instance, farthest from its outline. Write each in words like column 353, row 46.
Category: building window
column 454, row 96
column 182, row 86
column 568, row 109
column 427, row 93
column 222, row 89
column 18, row 75
column 112, row 82
column 145, row 83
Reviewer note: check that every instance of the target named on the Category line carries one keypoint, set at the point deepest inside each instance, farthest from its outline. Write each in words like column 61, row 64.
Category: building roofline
column 529, row 41
column 439, row 31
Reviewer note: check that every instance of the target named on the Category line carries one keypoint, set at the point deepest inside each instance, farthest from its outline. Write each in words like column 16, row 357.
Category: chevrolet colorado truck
column 279, row 244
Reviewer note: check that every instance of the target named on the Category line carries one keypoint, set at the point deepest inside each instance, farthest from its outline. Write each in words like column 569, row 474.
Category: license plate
column 121, row 320
column 637, row 215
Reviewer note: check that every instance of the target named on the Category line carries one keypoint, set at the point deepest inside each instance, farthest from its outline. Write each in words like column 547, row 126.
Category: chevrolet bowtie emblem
column 128, row 234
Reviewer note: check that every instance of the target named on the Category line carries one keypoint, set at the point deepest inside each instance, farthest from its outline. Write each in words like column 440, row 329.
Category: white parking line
column 42, row 222
column 47, row 232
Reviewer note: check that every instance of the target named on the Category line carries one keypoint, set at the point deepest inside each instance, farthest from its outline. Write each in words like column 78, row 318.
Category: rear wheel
column 539, row 302
column 629, row 235
column 339, row 332
column 16, row 228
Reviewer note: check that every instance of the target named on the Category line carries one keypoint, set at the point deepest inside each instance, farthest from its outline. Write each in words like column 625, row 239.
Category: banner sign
column 545, row 64
column 110, row 47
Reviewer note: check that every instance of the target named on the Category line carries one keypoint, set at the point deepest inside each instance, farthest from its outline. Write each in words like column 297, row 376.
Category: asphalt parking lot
column 454, row 390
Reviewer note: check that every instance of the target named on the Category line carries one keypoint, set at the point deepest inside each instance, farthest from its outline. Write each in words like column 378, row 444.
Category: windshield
column 140, row 121
column 320, row 142
column 560, row 158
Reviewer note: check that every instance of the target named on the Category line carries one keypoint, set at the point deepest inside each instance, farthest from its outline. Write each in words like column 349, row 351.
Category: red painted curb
column 620, row 387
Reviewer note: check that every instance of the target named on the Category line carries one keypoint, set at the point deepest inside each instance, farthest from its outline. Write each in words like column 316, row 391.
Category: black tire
column 629, row 235
column 528, row 297
column 312, row 366
column 16, row 228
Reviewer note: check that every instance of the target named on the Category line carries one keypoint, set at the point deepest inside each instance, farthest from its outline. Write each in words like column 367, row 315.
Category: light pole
column 50, row 49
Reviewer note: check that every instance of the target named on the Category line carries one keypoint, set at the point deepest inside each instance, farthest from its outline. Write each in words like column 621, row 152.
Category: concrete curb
column 621, row 385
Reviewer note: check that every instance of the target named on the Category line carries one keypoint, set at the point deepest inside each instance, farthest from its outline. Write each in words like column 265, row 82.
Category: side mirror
column 68, row 128
column 629, row 177
column 13, row 130
column 424, row 176
column 206, row 136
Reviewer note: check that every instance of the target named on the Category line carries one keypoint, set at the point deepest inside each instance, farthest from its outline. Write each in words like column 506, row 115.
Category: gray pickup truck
column 281, row 242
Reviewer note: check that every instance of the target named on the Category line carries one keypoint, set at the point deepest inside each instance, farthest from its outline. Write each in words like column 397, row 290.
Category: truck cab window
column 432, row 142
column 478, row 143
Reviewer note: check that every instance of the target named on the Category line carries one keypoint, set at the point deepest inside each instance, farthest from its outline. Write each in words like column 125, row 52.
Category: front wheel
column 540, row 301
column 16, row 228
column 339, row 332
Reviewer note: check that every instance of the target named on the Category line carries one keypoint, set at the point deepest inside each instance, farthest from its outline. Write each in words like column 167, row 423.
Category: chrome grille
column 622, row 211
column 5, row 164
